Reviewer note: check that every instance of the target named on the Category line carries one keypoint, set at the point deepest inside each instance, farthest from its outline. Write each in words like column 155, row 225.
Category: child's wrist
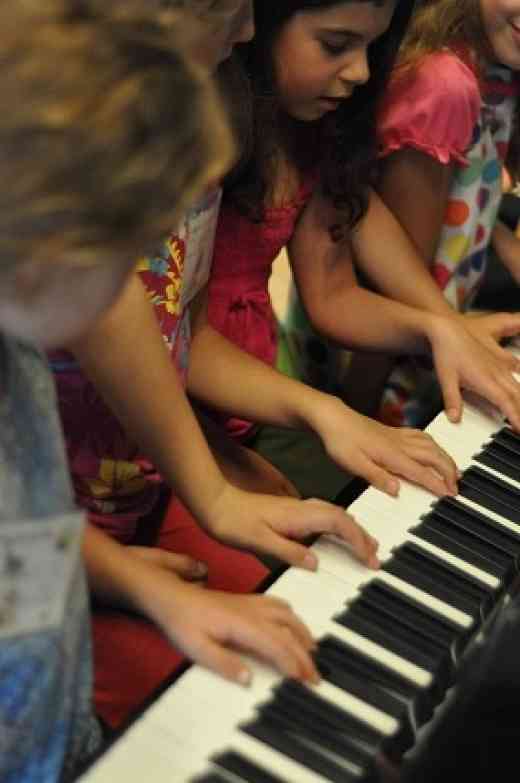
column 433, row 327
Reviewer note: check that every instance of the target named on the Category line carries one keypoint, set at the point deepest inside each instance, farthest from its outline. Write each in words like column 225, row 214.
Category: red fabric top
column 239, row 305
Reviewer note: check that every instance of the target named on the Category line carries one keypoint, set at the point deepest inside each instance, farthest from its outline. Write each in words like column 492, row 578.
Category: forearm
column 127, row 360
column 389, row 258
column 229, row 379
column 337, row 306
column 359, row 319
column 507, row 246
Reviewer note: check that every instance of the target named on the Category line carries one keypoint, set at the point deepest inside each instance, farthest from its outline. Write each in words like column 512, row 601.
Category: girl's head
column 222, row 23
column 489, row 29
column 501, row 21
column 317, row 53
column 225, row 23
column 325, row 62
column 95, row 155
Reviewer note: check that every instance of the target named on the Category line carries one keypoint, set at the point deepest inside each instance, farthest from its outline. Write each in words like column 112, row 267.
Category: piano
column 391, row 642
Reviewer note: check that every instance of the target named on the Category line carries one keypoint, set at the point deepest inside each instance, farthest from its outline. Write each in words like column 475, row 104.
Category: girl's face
column 320, row 56
column 236, row 26
column 502, row 25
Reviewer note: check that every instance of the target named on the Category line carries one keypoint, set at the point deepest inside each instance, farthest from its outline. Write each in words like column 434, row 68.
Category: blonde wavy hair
column 436, row 24
column 107, row 129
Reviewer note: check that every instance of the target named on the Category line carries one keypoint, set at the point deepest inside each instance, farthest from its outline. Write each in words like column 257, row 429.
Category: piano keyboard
column 389, row 641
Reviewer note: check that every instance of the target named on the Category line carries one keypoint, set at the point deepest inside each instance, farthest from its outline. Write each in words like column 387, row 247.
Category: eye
column 333, row 48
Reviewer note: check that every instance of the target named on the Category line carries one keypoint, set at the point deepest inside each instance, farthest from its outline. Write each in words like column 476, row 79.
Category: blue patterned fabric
column 47, row 727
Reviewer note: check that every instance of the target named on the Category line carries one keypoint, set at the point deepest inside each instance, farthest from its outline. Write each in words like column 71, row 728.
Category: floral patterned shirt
column 112, row 479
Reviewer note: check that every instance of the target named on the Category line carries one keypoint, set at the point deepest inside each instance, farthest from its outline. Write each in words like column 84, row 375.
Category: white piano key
column 182, row 721
column 440, row 607
column 372, row 716
column 333, row 556
column 299, row 588
column 393, row 530
column 462, row 565
column 497, row 474
column 506, row 523
column 420, row 677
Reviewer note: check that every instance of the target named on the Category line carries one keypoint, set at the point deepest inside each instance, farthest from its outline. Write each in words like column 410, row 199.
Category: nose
column 245, row 28
column 357, row 71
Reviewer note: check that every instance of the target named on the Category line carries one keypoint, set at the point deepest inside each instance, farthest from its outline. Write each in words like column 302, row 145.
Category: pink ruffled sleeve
column 433, row 108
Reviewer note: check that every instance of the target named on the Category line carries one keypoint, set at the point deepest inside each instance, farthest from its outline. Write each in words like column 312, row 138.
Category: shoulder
column 441, row 79
column 433, row 106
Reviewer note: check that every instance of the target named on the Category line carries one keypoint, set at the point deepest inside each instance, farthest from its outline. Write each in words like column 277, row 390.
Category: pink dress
column 239, row 304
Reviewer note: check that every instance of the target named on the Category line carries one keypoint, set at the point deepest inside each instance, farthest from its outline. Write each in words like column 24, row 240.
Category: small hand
column 489, row 329
column 269, row 525
column 210, row 626
column 463, row 362
column 381, row 454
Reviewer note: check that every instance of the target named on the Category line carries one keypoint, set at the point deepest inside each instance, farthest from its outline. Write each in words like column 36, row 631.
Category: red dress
column 239, row 306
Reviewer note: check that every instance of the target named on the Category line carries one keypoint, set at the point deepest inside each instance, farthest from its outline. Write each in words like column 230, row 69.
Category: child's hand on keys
column 381, row 454
column 212, row 627
column 463, row 362
column 491, row 328
column 268, row 525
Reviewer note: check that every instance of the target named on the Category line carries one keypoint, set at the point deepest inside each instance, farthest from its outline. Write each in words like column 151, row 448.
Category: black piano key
column 424, row 577
column 332, row 669
column 479, row 523
column 445, row 574
column 343, row 656
column 491, row 492
column 343, row 743
column 362, row 689
column 296, row 698
column 500, row 459
column 439, row 539
column 368, row 623
column 210, row 777
column 245, row 769
column 476, row 542
column 414, row 615
column 270, row 732
column 509, row 439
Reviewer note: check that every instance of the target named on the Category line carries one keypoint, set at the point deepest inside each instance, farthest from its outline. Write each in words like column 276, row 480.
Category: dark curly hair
column 346, row 141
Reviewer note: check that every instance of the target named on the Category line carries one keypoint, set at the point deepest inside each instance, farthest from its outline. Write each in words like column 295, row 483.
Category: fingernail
column 452, row 414
column 393, row 487
column 310, row 562
column 244, row 677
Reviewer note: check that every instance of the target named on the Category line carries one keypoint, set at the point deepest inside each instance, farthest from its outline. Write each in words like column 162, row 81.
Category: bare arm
column 337, row 306
column 125, row 357
column 415, row 188
column 225, row 377
column 143, row 390
column 340, row 310
column 507, row 247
